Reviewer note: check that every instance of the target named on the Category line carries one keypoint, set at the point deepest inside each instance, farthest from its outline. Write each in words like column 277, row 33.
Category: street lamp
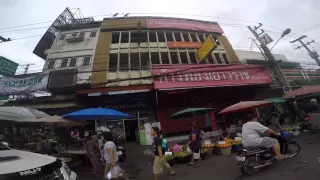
column 284, row 33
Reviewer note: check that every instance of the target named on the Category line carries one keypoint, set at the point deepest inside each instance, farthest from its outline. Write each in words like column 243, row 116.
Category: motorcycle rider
column 252, row 132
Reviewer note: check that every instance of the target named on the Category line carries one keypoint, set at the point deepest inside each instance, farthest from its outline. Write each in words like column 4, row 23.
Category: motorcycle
column 252, row 159
column 120, row 149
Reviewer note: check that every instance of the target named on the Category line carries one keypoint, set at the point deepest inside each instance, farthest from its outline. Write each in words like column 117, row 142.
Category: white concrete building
column 74, row 47
column 256, row 55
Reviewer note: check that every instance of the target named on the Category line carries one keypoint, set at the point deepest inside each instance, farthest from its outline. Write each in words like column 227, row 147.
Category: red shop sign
column 208, row 75
column 173, row 44
column 184, row 24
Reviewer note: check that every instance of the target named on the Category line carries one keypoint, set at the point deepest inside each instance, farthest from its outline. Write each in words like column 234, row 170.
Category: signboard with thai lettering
column 16, row 86
column 173, row 44
column 208, row 75
column 7, row 67
column 184, row 24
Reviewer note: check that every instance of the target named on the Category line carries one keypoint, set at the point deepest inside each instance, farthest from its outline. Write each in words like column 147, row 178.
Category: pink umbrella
column 303, row 91
column 243, row 106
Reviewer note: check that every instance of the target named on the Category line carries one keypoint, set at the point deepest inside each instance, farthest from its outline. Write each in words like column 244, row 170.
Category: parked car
column 23, row 165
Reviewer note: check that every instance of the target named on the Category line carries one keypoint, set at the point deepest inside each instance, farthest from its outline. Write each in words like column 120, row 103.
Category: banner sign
column 16, row 86
column 7, row 67
column 207, row 46
column 208, row 75
column 184, row 24
column 173, row 44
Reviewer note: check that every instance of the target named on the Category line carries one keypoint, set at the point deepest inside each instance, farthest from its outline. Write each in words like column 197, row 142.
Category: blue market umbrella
column 96, row 114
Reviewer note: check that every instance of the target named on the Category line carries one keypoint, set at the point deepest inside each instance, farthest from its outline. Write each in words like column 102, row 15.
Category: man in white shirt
column 252, row 135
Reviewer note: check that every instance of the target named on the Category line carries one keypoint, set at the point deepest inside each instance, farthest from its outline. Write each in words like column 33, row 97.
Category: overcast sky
column 276, row 15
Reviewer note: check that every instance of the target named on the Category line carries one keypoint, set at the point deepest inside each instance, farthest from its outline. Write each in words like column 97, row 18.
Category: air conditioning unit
column 75, row 39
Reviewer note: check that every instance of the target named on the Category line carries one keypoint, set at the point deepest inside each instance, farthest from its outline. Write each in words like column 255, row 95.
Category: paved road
column 305, row 165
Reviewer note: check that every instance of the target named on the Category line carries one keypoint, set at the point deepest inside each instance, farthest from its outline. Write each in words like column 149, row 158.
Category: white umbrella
column 20, row 114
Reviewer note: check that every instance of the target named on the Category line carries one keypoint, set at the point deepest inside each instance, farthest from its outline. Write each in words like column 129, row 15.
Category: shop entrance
column 131, row 130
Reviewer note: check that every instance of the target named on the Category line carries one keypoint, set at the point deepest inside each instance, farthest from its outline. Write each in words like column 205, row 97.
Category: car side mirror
column 5, row 143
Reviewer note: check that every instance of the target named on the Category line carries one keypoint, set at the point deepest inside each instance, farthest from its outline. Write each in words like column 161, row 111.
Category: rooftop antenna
column 116, row 14
column 126, row 15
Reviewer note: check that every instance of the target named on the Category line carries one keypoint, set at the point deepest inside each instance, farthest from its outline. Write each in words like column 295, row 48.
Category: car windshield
column 3, row 147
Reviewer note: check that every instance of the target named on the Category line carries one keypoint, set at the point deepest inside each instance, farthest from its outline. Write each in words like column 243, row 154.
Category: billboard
column 7, row 67
column 207, row 46
column 174, row 44
column 66, row 17
column 208, row 75
column 184, row 24
column 17, row 86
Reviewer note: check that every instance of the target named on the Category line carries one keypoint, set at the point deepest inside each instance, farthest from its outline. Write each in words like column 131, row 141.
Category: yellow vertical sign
column 207, row 46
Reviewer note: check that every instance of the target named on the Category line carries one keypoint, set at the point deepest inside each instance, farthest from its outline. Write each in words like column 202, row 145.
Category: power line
column 12, row 27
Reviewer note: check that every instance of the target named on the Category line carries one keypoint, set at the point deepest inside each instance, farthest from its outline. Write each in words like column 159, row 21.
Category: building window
column 86, row 61
column 145, row 62
column 64, row 63
column 210, row 59
column 155, row 58
column 113, row 62
column 185, row 37
column 134, row 61
column 124, row 37
column 224, row 56
column 161, row 36
column 216, row 55
column 194, row 37
column 74, row 34
column 174, row 57
column 82, row 34
column 177, row 36
column 51, row 64
column 183, row 57
column 169, row 36
column 137, row 36
column 152, row 36
column 62, row 37
column 193, row 58
column 165, row 58
column 115, row 37
column 73, row 62
column 124, row 62
column 93, row 34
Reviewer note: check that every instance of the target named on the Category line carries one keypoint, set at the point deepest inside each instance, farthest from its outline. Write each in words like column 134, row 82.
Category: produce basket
column 225, row 150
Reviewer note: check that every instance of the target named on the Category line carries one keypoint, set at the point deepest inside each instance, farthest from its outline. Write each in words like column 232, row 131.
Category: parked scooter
column 120, row 149
column 251, row 159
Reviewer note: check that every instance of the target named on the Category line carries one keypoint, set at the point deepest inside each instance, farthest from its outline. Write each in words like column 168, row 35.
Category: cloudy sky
column 233, row 15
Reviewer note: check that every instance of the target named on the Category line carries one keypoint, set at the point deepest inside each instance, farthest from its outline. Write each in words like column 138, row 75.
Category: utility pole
column 26, row 68
column 274, row 64
column 313, row 54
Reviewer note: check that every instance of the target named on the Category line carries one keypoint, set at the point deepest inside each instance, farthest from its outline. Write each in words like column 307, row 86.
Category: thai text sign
column 7, row 67
column 207, row 46
column 16, row 86
column 173, row 44
column 184, row 24
column 208, row 75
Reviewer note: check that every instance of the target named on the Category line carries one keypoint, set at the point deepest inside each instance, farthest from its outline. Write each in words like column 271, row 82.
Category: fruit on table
column 208, row 145
column 181, row 154
column 169, row 157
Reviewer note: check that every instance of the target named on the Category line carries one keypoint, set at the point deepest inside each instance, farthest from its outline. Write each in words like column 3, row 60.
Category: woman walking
column 159, row 161
column 194, row 145
column 94, row 155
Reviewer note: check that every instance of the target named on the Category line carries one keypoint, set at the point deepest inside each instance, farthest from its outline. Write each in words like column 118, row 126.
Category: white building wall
column 65, row 49
column 256, row 55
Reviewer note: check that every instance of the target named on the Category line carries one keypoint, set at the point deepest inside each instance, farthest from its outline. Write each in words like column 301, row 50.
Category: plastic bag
column 115, row 173
column 189, row 150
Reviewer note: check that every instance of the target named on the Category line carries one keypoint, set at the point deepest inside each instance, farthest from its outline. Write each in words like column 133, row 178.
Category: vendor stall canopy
column 20, row 114
column 190, row 112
